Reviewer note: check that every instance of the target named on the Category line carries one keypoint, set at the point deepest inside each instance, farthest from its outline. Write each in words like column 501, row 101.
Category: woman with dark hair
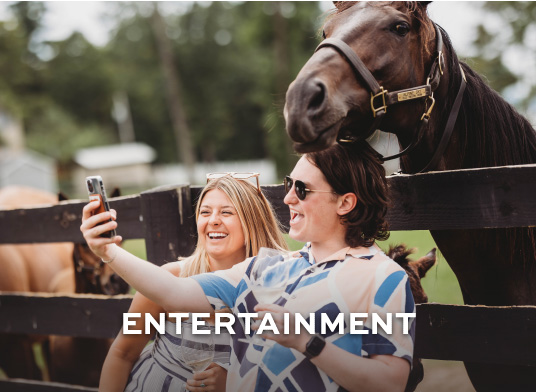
column 337, row 204
column 357, row 169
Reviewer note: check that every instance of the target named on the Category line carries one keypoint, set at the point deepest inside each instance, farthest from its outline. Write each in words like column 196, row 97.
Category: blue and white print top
column 352, row 280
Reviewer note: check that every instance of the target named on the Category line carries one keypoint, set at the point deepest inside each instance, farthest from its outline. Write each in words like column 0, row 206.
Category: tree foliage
column 506, row 50
column 235, row 61
column 227, row 64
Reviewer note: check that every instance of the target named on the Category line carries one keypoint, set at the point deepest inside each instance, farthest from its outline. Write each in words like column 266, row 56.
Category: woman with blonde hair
column 234, row 220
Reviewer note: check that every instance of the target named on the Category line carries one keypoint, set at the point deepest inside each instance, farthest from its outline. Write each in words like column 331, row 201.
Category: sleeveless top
column 160, row 367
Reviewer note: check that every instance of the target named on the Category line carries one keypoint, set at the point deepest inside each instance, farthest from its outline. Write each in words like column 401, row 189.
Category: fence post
column 169, row 223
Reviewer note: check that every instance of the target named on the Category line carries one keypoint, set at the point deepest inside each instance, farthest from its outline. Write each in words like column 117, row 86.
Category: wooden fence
column 497, row 197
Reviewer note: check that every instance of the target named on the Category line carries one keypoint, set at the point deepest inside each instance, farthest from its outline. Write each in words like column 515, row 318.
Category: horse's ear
column 425, row 263
column 399, row 254
column 116, row 192
column 62, row 196
column 337, row 3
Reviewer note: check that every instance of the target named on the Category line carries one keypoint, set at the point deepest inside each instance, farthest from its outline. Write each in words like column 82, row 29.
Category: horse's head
column 330, row 99
column 416, row 270
column 93, row 276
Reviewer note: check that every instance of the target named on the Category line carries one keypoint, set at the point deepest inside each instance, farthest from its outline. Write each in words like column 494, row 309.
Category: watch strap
column 314, row 346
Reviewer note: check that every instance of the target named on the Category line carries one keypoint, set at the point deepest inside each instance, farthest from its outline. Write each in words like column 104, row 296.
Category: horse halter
column 94, row 272
column 381, row 99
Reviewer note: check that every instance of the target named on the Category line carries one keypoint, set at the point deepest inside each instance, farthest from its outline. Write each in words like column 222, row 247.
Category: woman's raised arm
column 157, row 284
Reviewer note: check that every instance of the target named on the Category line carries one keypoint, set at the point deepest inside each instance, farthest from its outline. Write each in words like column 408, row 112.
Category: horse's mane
column 489, row 125
column 491, row 133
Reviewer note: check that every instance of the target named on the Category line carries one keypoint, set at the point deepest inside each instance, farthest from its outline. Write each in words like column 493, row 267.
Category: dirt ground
column 444, row 376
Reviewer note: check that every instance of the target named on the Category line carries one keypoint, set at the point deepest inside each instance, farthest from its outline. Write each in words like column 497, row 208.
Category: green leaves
column 235, row 61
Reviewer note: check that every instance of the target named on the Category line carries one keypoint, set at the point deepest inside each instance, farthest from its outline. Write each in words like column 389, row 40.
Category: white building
column 19, row 166
column 28, row 168
column 120, row 165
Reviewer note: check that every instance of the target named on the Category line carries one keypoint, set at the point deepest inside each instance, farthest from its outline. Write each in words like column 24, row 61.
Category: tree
column 506, row 53
column 174, row 99
column 235, row 61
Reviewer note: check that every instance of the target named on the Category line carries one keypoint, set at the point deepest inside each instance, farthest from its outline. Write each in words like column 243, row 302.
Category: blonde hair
column 257, row 218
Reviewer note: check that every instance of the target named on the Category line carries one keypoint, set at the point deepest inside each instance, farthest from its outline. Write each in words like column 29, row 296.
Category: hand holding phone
column 96, row 191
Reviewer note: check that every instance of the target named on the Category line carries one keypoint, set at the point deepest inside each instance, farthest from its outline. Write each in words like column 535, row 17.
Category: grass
column 136, row 247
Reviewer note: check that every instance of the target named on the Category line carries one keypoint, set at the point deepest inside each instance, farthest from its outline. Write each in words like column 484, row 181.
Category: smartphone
column 96, row 191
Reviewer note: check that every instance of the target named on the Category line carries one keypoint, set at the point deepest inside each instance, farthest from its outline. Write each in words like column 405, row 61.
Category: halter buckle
column 384, row 105
column 427, row 113
column 463, row 74
column 441, row 60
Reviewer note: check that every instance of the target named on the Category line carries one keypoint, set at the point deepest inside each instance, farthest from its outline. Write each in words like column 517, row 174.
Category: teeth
column 217, row 235
column 294, row 216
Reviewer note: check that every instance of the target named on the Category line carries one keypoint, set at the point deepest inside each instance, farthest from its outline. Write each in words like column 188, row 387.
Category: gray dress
column 160, row 368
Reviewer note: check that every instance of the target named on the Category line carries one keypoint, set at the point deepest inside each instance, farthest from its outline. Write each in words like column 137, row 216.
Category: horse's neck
column 488, row 130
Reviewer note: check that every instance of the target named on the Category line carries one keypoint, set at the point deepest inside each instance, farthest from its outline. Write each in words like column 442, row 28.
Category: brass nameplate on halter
column 412, row 94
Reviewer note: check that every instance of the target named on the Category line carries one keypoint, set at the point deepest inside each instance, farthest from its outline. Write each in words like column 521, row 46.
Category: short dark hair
column 357, row 168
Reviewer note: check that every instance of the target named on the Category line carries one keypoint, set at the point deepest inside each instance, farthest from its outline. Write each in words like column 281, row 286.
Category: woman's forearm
column 155, row 283
column 159, row 285
column 355, row 373
column 377, row 373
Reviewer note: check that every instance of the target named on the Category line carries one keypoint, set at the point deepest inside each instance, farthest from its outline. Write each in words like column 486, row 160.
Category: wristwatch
column 314, row 346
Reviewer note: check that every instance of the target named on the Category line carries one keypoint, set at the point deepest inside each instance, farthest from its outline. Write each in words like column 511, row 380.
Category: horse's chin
column 325, row 139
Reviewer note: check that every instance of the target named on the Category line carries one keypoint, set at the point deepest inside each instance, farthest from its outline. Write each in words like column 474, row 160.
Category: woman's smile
column 217, row 235
column 218, row 223
column 295, row 217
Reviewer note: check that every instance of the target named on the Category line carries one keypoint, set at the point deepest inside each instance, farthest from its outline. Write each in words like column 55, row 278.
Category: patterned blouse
column 352, row 280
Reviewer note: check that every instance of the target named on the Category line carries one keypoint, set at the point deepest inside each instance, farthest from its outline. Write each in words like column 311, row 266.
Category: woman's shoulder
column 377, row 260
column 385, row 259
column 175, row 267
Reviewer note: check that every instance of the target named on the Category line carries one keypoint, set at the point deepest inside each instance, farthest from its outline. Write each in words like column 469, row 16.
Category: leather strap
column 358, row 66
column 381, row 99
column 447, row 133
column 412, row 145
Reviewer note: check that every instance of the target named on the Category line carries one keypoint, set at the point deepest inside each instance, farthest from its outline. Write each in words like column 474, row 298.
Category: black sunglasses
column 301, row 189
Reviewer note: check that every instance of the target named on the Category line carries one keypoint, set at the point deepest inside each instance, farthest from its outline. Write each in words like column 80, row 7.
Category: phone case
column 96, row 191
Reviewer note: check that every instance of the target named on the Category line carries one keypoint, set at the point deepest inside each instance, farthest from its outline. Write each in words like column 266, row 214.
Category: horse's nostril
column 317, row 91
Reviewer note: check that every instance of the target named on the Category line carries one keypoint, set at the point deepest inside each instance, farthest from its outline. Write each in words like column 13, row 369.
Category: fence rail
column 498, row 197
column 445, row 332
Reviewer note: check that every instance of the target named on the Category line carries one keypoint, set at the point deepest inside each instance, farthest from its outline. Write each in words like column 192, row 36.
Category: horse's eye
column 401, row 28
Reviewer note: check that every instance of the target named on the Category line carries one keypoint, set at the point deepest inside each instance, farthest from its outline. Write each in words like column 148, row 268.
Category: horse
column 77, row 360
column 416, row 270
column 52, row 268
column 388, row 66
column 27, row 268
